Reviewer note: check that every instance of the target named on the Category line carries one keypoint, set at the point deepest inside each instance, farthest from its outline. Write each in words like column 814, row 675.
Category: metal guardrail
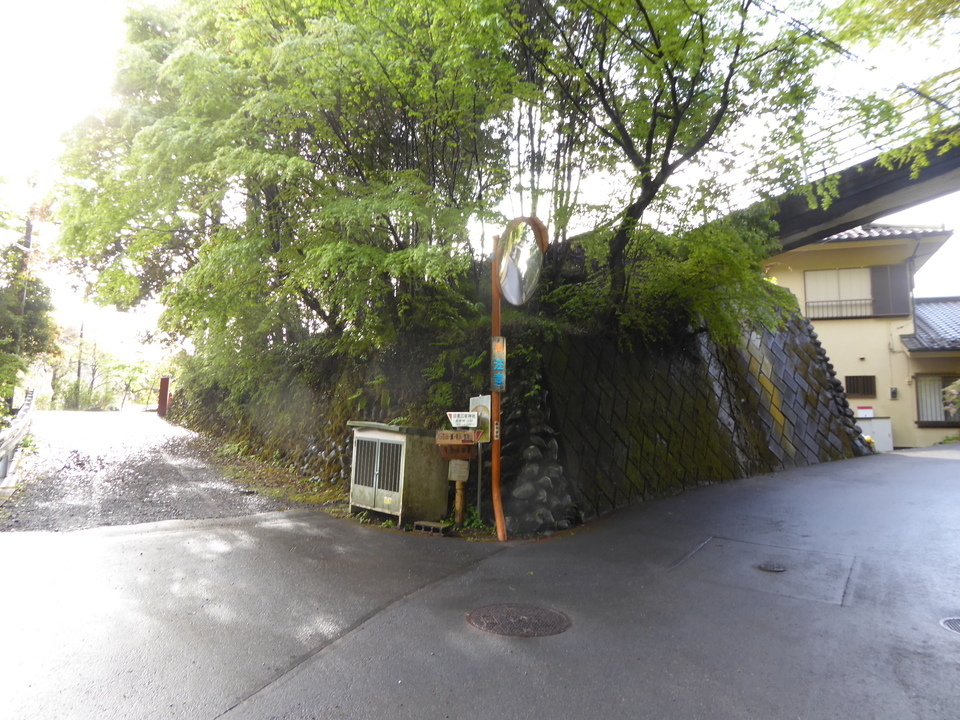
column 11, row 438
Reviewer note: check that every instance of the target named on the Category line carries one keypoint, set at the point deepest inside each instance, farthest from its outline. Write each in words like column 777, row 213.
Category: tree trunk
column 616, row 259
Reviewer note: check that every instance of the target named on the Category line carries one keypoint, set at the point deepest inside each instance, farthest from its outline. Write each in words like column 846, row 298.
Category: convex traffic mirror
column 521, row 248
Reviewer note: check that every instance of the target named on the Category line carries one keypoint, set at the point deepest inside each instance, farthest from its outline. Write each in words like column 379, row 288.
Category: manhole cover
column 952, row 624
column 519, row 620
column 771, row 567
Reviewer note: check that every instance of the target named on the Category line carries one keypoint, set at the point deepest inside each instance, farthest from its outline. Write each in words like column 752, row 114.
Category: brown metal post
column 495, row 402
column 164, row 397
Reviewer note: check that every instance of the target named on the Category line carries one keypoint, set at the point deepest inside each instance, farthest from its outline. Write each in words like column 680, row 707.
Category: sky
column 56, row 68
column 57, row 60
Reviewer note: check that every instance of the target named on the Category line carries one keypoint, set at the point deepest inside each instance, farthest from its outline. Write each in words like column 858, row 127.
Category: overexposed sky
column 940, row 276
column 56, row 68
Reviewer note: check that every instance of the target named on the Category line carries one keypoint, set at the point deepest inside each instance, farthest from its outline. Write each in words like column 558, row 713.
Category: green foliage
column 27, row 330
column 78, row 395
column 867, row 20
column 917, row 153
column 931, row 96
column 319, row 161
column 709, row 278
column 230, row 450
column 473, row 521
column 654, row 87
column 296, row 181
column 951, row 398
column 85, row 377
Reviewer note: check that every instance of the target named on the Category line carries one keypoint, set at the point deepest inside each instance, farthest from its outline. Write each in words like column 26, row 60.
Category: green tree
column 285, row 174
column 27, row 330
column 296, row 178
column 654, row 87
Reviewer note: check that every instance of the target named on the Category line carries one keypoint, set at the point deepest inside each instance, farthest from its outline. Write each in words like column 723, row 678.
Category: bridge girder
column 866, row 192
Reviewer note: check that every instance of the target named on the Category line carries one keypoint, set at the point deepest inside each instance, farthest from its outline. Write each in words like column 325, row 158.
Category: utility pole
column 79, row 363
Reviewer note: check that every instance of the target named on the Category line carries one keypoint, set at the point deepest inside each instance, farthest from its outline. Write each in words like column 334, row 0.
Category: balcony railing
column 821, row 309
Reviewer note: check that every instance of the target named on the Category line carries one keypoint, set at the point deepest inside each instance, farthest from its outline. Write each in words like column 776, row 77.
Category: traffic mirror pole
column 522, row 278
column 495, row 399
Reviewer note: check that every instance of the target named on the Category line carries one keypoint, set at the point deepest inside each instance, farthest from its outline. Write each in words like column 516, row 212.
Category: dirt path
column 95, row 469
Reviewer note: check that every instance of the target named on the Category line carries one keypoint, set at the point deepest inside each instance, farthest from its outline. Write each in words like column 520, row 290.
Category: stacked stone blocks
column 632, row 426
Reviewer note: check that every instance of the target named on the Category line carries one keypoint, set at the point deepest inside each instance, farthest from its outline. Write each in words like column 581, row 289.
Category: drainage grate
column 771, row 567
column 519, row 620
column 952, row 624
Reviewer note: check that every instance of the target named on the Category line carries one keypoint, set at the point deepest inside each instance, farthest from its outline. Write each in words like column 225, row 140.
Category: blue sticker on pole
column 498, row 364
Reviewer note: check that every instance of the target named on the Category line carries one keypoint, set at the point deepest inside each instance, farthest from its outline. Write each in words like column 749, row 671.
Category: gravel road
column 91, row 469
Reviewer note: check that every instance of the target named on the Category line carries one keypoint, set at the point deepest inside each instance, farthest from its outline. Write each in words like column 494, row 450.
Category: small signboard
column 458, row 471
column 463, row 419
column 498, row 364
column 458, row 437
column 481, row 406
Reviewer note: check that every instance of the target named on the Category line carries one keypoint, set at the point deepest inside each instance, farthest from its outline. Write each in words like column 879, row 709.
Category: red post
column 164, row 397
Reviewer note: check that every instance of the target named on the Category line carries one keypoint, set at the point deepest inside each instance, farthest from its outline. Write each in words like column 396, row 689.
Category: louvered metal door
column 377, row 475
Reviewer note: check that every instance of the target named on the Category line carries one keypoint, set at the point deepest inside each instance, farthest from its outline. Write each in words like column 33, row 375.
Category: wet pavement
column 300, row 615
column 101, row 468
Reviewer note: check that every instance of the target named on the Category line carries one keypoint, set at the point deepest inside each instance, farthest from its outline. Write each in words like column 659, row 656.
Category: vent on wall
column 860, row 385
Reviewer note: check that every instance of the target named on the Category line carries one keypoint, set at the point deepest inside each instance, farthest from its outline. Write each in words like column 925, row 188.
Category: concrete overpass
column 866, row 192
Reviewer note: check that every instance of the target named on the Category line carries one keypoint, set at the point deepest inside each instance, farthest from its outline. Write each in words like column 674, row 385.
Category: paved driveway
column 100, row 468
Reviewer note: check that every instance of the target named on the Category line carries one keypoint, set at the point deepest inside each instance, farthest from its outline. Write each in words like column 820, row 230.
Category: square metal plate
column 806, row 574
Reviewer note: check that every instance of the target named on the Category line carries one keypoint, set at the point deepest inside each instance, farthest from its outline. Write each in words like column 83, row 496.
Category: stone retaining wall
column 619, row 427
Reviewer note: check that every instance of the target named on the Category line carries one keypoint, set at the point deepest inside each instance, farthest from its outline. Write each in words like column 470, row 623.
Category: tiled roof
column 936, row 325
column 878, row 232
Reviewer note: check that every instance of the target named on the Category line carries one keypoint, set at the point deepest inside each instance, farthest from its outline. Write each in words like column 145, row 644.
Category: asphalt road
column 98, row 468
column 298, row 615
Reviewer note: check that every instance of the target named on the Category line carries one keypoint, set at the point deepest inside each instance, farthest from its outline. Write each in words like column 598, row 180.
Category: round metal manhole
column 771, row 567
column 951, row 624
column 517, row 620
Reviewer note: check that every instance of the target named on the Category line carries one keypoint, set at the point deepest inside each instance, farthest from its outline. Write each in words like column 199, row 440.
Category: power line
column 836, row 47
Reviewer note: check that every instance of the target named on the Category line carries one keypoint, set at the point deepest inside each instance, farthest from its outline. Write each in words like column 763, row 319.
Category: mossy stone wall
column 589, row 426
column 632, row 426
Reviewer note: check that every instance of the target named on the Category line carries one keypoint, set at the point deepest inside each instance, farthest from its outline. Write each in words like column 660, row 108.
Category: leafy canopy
column 296, row 177
column 313, row 164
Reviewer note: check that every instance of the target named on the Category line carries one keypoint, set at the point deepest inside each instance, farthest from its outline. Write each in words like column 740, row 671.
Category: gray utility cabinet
column 398, row 471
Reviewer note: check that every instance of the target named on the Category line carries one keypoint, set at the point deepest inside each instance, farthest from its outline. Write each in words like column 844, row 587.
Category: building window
column 930, row 410
column 877, row 291
column 861, row 386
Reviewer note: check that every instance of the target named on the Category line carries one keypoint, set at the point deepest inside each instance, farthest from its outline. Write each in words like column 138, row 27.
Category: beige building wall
column 788, row 268
column 872, row 346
